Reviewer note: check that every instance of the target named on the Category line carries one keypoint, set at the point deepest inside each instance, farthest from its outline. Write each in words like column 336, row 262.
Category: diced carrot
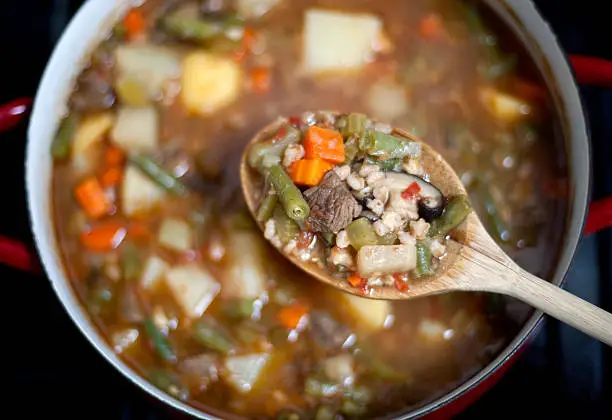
column 323, row 143
column 104, row 238
column 309, row 172
column 431, row 26
column 411, row 192
column 291, row 316
column 90, row 195
column 261, row 80
column 112, row 176
column 249, row 37
column 354, row 280
column 134, row 23
column 114, row 156
column 358, row 282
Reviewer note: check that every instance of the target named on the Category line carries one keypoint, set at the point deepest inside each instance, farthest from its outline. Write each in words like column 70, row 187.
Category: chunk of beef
column 326, row 332
column 94, row 92
column 332, row 206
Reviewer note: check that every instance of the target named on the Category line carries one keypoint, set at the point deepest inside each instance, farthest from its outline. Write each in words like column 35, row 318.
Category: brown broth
column 519, row 170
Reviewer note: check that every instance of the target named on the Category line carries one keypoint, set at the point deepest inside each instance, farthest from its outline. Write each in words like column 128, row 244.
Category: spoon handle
column 499, row 275
column 563, row 305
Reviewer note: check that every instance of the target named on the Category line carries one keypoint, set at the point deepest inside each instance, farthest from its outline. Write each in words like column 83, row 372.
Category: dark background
column 53, row 371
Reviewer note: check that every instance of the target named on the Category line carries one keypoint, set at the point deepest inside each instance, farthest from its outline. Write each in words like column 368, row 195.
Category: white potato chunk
column 387, row 100
column 432, row 330
column 505, row 107
column 370, row 314
column 246, row 277
column 193, row 287
column 175, row 234
column 338, row 41
column 340, row 369
column 138, row 193
column 242, row 372
column 137, row 129
column 386, row 259
column 151, row 66
column 91, row 131
column 210, row 82
column 153, row 272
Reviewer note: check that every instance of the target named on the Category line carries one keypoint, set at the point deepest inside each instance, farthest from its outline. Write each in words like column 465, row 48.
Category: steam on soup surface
column 159, row 247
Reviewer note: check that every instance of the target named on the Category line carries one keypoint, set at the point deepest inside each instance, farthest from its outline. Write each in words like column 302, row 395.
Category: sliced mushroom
column 431, row 200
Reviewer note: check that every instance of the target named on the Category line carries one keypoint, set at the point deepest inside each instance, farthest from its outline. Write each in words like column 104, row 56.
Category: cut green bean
column 328, row 237
column 289, row 195
column 160, row 343
column 150, row 168
column 493, row 215
column 387, row 239
column 169, row 383
column 239, row 308
column 264, row 154
column 131, row 261
column 388, row 164
column 385, row 146
column 355, row 124
column 60, row 148
column 455, row 212
column 286, row 229
column 351, row 149
column 360, row 233
column 423, row 259
column 208, row 333
column 198, row 30
column 266, row 208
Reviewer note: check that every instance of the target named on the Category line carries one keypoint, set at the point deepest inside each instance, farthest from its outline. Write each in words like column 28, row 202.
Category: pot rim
column 50, row 104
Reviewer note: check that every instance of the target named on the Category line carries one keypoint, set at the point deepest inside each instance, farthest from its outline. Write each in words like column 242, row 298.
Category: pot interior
column 524, row 160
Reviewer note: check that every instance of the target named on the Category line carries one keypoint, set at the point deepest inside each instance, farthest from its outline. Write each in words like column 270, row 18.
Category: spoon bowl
column 440, row 174
column 473, row 262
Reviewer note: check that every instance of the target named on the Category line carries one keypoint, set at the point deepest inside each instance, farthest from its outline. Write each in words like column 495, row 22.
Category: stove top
column 53, row 370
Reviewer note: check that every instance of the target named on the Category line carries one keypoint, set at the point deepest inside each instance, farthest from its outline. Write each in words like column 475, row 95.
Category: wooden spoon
column 474, row 261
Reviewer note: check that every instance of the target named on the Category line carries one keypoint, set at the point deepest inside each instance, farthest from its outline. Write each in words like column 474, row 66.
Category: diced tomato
column 359, row 283
column 281, row 133
column 401, row 282
column 295, row 121
column 304, row 239
column 412, row 191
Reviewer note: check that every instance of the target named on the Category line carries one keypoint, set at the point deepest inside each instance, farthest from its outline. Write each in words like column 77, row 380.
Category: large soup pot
column 96, row 17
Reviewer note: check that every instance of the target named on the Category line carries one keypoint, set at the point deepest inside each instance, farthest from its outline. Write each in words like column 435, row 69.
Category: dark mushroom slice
column 431, row 199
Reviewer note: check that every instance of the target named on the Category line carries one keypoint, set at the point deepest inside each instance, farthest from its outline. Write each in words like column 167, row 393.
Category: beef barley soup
column 162, row 253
